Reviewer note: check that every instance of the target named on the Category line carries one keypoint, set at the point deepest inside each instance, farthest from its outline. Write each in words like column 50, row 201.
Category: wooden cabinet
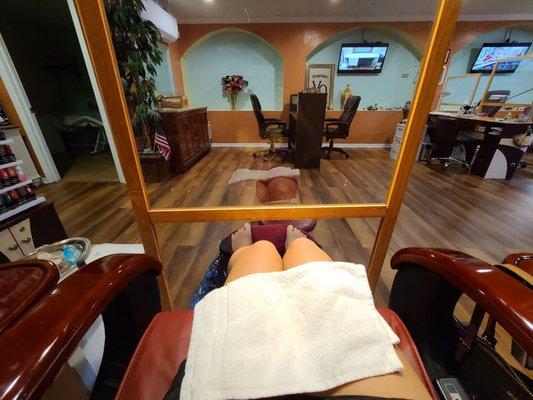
column 23, row 233
column 9, row 247
column 186, row 130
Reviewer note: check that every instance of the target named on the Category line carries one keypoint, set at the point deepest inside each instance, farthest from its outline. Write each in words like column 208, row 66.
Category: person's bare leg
column 300, row 250
column 248, row 258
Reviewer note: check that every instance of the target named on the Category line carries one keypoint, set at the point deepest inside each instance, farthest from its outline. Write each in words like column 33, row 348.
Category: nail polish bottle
column 15, row 196
column 4, row 178
column 20, row 174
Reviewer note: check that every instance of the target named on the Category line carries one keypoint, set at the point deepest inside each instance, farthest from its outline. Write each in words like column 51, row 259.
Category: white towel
column 308, row 329
column 243, row 174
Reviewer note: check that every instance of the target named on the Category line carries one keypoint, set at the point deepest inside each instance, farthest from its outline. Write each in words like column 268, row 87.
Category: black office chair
column 270, row 129
column 444, row 138
column 501, row 95
column 339, row 128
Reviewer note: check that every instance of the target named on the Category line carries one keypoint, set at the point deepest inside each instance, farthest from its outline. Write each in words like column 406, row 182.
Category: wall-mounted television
column 362, row 58
column 491, row 52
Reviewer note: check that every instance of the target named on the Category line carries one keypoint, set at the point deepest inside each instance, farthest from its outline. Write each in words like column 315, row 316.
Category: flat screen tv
column 491, row 52
column 362, row 58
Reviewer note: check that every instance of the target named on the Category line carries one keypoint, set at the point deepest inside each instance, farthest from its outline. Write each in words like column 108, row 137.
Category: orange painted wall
column 241, row 127
column 294, row 42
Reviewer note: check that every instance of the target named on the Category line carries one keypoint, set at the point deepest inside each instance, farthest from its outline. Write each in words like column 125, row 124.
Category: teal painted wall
column 391, row 88
column 164, row 84
column 229, row 53
column 520, row 80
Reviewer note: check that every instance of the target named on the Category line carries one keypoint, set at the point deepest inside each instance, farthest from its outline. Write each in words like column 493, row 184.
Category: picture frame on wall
column 319, row 78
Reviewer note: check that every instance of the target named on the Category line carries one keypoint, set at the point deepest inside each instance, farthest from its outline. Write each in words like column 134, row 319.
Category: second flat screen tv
column 491, row 52
column 362, row 58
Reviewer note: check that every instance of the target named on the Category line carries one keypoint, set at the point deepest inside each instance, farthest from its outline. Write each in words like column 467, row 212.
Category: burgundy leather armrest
column 36, row 345
column 499, row 294
column 157, row 357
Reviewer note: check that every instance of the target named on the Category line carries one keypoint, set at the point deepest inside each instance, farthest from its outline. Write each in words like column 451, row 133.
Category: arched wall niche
column 516, row 82
column 232, row 51
column 389, row 89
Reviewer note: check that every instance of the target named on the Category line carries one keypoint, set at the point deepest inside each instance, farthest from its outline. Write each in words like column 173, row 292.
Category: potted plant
column 233, row 85
column 138, row 53
column 137, row 50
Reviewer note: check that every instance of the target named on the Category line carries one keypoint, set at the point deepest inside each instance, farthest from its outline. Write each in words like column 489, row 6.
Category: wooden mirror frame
column 98, row 37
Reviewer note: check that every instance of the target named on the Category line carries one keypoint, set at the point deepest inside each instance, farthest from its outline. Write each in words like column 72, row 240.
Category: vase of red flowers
column 233, row 85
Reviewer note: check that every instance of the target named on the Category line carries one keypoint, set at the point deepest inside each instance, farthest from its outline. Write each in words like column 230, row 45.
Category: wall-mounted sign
column 319, row 78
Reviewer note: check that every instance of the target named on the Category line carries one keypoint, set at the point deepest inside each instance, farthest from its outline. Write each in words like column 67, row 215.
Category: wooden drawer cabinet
column 186, row 131
column 9, row 247
column 23, row 233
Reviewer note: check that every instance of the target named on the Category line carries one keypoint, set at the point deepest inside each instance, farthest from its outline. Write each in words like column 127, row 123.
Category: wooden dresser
column 186, row 130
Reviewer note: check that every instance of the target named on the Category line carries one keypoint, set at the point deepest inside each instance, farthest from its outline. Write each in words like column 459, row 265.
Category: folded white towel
column 243, row 174
column 307, row 329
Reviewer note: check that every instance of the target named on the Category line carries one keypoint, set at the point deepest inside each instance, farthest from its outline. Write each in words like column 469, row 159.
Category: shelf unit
column 15, row 186
column 11, row 164
column 22, row 207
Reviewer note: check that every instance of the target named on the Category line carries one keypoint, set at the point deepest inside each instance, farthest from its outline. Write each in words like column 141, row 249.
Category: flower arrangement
column 233, row 85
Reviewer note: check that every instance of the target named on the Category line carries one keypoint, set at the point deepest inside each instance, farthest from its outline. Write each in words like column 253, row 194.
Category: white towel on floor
column 243, row 174
column 307, row 329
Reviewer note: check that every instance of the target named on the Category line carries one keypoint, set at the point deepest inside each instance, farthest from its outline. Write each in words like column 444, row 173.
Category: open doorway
column 42, row 42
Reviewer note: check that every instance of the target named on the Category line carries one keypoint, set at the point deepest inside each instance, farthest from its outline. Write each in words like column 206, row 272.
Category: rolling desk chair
column 444, row 137
column 494, row 96
column 339, row 128
column 269, row 128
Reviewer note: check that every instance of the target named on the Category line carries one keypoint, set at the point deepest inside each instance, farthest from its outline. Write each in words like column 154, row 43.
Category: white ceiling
column 253, row 11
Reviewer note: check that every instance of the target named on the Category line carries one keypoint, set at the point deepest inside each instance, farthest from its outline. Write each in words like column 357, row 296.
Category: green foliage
column 136, row 43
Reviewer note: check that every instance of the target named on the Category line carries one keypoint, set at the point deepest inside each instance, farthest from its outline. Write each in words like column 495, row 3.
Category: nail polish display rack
column 20, row 204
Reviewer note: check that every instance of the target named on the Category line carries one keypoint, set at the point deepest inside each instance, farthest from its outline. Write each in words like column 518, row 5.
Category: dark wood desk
column 497, row 157
column 306, row 124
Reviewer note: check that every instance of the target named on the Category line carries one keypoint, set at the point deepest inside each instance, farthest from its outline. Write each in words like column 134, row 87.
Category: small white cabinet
column 22, row 234
column 398, row 139
column 9, row 246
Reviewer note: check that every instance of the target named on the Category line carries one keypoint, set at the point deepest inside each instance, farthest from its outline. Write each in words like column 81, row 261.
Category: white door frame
column 22, row 105
column 96, row 89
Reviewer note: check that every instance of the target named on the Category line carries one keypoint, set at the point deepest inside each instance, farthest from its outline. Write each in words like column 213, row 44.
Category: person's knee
column 302, row 242
column 264, row 246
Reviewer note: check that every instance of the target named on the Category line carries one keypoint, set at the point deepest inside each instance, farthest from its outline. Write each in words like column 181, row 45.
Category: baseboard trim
column 344, row 145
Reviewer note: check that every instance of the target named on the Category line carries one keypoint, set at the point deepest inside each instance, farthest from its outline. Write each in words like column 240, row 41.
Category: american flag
column 161, row 142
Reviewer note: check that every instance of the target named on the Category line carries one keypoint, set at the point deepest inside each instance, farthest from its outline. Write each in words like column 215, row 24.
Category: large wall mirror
column 242, row 134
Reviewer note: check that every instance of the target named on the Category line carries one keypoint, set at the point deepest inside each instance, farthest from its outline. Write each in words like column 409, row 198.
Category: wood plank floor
column 485, row 218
